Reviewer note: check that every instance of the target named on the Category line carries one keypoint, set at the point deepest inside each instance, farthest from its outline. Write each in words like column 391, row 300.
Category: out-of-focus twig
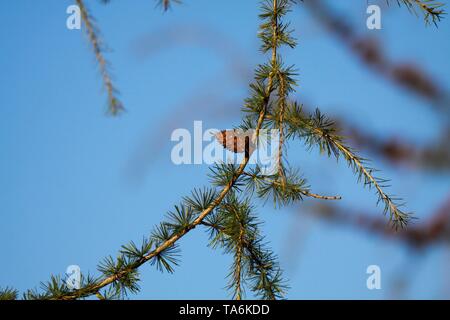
column 204, row 101
column 115, row 106
column 436, row 229
column 397, row 151
column 369, row 51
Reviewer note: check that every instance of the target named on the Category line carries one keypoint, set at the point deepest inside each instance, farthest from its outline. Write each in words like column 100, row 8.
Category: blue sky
column 76, row 184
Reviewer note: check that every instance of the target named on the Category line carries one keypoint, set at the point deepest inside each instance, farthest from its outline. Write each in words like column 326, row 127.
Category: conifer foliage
column 225, row 210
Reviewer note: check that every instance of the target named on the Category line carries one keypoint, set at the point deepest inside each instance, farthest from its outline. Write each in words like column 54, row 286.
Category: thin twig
column 282, row 104
column 302, row 191
column 114, row 104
